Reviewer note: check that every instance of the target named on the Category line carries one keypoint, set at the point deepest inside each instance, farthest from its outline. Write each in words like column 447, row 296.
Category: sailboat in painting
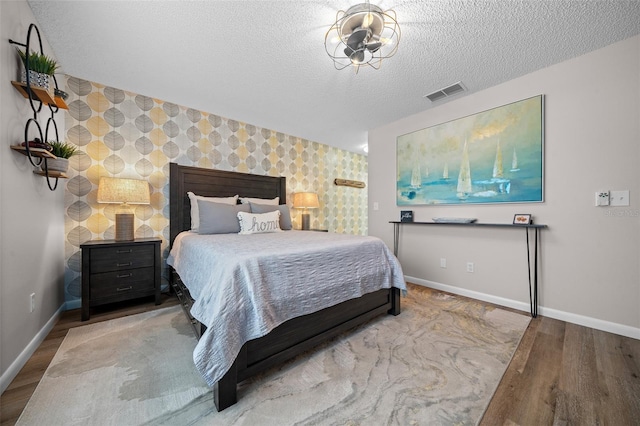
column 497, row 164
column 416, row 176
column 464, row 177
column 514, row 162
column 498, row 184
column 445, row 172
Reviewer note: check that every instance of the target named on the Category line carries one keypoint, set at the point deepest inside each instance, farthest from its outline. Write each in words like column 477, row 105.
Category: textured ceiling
column 264, row 62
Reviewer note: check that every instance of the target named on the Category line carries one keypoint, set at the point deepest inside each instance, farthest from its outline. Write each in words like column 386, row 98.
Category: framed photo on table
column 406, row 216
column 522, row 219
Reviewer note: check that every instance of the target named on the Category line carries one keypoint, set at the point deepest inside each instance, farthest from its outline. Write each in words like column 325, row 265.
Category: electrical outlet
column 602, row 198
column 32, row 302
column 469, row 266
column 376, row 206
column 443, row 262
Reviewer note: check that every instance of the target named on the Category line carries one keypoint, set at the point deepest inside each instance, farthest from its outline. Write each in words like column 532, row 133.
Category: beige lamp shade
column 305, row 200
column 123, row 192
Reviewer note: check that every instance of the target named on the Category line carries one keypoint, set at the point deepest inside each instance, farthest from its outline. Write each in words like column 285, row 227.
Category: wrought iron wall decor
column 36, row 149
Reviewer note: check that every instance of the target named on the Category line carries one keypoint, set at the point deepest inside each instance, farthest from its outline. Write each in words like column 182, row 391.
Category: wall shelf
column 40, row 153
column 40, row 94
column 52, row 173
column 34, row 152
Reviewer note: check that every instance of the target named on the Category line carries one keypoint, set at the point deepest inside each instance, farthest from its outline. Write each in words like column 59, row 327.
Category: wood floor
column 566, row 374
column 561, row 374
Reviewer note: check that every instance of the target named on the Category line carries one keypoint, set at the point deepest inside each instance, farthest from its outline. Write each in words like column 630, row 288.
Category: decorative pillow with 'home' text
column 251, row 223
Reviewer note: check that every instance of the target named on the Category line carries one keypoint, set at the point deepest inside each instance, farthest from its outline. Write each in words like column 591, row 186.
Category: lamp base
column 305, row 221
column 124, row 227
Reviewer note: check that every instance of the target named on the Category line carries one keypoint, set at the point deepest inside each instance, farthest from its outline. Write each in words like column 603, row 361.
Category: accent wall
column 124, row 134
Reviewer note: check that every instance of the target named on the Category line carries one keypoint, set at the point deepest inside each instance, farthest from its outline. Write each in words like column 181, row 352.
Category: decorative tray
column 454, row 219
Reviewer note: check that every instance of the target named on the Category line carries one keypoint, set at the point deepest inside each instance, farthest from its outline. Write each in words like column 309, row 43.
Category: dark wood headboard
column 215, row 183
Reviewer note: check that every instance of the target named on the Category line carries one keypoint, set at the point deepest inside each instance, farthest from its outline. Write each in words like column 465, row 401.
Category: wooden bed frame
column 290, row 338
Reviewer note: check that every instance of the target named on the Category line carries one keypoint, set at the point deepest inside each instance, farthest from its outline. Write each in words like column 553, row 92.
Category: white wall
column 31, row 216
column 590, row 259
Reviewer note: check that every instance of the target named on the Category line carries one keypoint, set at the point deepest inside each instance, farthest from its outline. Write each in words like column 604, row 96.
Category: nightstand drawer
column 117, row 258
column 117, row 283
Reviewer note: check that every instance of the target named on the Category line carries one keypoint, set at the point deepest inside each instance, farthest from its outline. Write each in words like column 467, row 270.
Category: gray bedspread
column 246, row 285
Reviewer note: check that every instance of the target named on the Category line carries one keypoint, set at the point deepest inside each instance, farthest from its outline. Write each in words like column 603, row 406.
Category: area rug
column 439, row 362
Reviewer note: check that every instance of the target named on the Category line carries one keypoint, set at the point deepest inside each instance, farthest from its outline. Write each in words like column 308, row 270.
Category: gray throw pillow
column 217, row 218
column 285, row 214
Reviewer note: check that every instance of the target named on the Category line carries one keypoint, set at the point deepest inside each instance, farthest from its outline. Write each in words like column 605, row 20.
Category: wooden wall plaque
column 351, row 183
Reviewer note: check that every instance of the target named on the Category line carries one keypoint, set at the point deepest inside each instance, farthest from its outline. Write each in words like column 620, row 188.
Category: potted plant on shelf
column 62, row 151
column 41, row 68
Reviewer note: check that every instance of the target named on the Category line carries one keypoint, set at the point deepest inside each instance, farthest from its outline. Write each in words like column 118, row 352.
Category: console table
column 533, row 283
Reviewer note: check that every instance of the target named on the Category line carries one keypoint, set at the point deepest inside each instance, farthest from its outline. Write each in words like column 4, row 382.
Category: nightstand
column 114, row 271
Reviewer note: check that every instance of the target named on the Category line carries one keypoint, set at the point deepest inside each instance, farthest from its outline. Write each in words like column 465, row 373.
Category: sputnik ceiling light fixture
column 363, row 35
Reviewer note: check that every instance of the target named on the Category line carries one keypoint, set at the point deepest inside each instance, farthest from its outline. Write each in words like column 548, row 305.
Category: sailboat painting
column 495, row 156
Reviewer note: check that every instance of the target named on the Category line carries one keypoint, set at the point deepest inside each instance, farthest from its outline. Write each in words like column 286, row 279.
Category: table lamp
column 305, row 200
column 124, row 192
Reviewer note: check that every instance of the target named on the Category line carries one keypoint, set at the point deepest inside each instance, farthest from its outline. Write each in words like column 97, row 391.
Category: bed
column 289, row 338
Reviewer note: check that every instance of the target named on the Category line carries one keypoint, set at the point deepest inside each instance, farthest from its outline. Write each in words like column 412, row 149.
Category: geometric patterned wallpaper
column 123, row 134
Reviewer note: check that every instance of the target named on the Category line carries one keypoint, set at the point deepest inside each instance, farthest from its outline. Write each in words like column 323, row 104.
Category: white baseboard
column 611, row 327
column 24, row 356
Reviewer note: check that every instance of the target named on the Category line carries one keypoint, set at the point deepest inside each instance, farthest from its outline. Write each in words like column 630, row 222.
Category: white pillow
column 268, row 201
column 195, row 213
column 252, row 223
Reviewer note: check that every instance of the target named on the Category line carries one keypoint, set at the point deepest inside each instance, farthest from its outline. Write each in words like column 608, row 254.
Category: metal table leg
column 533, row 286
column 396, row 238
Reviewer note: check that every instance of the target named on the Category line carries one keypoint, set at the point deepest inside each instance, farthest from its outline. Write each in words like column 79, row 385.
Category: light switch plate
column 619, row 198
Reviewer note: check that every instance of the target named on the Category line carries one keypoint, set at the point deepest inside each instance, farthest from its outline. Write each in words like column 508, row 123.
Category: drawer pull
column 124, row 251
column 125, row 288
column 124, row 264
column 125, row 275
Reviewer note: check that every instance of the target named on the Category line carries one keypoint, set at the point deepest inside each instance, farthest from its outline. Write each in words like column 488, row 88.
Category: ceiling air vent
column 445, row 92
